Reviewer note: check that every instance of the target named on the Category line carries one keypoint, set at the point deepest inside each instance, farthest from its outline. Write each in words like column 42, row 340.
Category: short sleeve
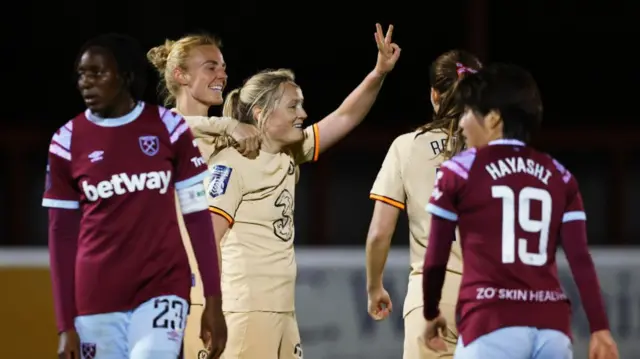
column 309, row 149
column 202, row 126
column 190, row 168
column 388, row 186
column 224, row 190
column 61, row 190
column 443, row 200
column 211, row 133
column 574, row 210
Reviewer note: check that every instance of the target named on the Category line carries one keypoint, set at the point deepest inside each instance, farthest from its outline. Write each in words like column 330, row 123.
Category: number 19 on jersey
column 522, row 217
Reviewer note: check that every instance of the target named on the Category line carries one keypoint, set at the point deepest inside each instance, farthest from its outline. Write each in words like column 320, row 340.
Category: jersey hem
column 130, row 307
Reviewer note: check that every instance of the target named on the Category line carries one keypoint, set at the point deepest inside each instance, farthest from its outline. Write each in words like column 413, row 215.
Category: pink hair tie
column 461, row 69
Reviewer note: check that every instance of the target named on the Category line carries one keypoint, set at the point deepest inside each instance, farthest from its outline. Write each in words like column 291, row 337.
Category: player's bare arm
column 220, row 226
column 383, row 224
column 442, row 235
column 356, row 106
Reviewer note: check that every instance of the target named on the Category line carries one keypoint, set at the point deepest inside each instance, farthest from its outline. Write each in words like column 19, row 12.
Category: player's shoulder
column 171, row 120
column 431, row 135
column 197, row 121
column 230, row 157
column 406, row 142
column 62, row 137
column 461, row 163
column 556, row 166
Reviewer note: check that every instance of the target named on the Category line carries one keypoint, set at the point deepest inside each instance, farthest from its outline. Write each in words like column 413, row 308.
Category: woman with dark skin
column 120, row 273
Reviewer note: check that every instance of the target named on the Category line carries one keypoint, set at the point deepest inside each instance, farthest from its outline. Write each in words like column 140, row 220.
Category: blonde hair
column 262, row 90
column 174, row 54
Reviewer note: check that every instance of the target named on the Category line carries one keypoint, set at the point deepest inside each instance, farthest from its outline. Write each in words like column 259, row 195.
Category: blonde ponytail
column 231, row 104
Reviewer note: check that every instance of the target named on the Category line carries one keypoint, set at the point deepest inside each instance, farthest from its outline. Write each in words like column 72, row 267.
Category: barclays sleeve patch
column 219, row 180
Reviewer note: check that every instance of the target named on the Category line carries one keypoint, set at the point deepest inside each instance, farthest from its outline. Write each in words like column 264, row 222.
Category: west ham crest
column 150, row 145
column 88, row 350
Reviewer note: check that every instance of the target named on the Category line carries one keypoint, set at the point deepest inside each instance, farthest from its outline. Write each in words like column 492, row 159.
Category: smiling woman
column 252, row 201
column 193, row 64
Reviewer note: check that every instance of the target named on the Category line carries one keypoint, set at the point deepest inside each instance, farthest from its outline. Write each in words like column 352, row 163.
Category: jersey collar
column 115, row 122
column 507, row 141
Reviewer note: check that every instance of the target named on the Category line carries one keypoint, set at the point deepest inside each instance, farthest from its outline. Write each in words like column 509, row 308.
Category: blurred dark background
column 581, row 55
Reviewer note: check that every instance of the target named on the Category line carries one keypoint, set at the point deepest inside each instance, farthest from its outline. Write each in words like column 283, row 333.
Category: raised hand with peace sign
column 388, row 51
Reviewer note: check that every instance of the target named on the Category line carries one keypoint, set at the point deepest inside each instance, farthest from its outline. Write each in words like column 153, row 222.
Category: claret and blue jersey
column 121, row 174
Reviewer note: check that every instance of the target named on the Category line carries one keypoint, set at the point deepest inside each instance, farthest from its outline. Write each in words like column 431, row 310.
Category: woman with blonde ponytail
column 403, row 184
column 192, row 73
column 193, row 76
column 252, row 202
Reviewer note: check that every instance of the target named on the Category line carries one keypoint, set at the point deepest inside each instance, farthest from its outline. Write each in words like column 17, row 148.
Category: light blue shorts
column 517, row 343
column 154, row 330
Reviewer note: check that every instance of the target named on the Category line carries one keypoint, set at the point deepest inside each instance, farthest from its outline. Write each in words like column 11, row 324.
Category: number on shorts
column 297, row 351
column 525, row 222
column 163, row 319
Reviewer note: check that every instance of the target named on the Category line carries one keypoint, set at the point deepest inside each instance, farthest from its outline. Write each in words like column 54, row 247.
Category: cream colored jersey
column 406, row 181
column 257, row 197
column 204, row 130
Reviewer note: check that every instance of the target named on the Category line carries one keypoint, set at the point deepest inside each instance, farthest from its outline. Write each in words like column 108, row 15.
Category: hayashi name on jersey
column 122, row 183
column 508, row 166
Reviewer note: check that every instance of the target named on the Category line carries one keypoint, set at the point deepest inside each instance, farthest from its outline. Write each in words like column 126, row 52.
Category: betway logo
column 122, row 183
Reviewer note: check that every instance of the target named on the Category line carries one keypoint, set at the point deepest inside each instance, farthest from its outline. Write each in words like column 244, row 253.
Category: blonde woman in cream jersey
column 252, row 202
column 193, row 76
column 405, row 182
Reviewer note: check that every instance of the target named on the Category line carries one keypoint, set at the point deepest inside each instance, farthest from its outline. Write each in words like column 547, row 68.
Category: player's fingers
column 437, row 344
column 223, row 345
column 241, row 147
column 389, row 305
column 217, row 351
column 387, row 38
column 254, row 144
column 205, row 336
column 379, row 34
column 396, row 51
column 246, row 151
column 377, row 312
column 385, row 312
column 374, row 314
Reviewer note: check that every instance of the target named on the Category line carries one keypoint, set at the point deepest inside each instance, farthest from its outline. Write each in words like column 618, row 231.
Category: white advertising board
column 331, row 303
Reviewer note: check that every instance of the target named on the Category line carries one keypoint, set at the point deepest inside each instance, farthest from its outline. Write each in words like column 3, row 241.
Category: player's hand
column 602, row 346
column 247, row 139
column 379, row 304
column 432, row 334
column 213, row 328
column 69, row 345
column 388, row 52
